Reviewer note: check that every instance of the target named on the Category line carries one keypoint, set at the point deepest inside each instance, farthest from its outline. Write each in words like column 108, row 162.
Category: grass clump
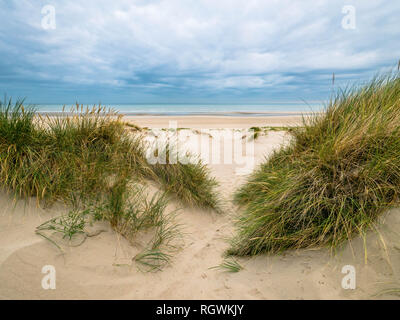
column 90, row 161
column 134, row 213
column 58, row 158
column 341, row 170
column 189, row 180
column 255, row 133
column 152, row 260
column 130, row 209
column 229, row 265
column 69, row 225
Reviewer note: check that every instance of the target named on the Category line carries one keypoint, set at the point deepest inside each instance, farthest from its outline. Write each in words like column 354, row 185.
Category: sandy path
column 100, row 267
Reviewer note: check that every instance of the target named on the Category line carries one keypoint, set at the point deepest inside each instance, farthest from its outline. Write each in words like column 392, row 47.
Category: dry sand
column 101, row 267
column 214, row 122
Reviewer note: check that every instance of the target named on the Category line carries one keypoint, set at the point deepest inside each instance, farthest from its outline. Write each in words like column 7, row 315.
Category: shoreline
column 210, row 121
column 195, row 114
column 215, row 122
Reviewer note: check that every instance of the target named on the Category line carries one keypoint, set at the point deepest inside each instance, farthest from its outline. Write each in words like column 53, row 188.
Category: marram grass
column 190, row 182
column 338, row 174
column 229, row 265
column 60, row 157
column 90, row 161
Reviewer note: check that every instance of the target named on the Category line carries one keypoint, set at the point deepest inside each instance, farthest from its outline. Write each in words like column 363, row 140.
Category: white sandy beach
column 214, row 122
column 102, row 268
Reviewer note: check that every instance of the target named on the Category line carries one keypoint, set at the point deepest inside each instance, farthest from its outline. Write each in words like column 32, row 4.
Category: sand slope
column 101, row 267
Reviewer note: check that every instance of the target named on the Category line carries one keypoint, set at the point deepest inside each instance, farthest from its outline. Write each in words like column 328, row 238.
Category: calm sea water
column 196, row 109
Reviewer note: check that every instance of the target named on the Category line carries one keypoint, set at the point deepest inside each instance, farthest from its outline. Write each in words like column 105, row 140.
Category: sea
column 273, row 109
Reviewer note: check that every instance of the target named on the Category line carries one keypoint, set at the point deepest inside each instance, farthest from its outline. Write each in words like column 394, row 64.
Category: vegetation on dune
column 190, row 182
column 58, row 158
column 256, row 132
column 334, row 179
column 229, row 265
column 91, row 162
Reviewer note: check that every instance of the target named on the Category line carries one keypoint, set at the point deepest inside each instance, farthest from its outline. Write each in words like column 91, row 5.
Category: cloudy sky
column 192, row 51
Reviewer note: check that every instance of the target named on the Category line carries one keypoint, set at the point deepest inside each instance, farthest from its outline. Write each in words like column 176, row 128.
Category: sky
column 192, row 51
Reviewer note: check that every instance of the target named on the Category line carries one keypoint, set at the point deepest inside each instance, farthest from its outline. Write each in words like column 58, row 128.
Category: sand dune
column 102, row 268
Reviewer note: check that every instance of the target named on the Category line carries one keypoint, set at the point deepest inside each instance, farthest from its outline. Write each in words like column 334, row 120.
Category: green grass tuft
column 190, row 182
column 229, row 265
column 339, row 173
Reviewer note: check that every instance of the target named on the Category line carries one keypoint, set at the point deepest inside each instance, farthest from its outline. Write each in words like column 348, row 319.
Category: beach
column 215, row 122
column 101, row 267
column 215, row 151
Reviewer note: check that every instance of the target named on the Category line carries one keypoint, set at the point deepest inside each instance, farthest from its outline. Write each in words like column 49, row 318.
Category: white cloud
column 216, row 44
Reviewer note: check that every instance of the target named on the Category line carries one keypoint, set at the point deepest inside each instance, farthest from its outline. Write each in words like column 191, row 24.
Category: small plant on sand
column 131, row 208
column 255, row 133
column 152, row 260
column 132, row 211
column 67, row 225
column 229, row 265
column 338, row 174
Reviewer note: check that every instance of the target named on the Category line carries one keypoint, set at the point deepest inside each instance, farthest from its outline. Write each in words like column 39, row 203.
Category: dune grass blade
column 152, row 260
column 40, row 233
column 229, row 265
column 389, row 291
column 335, row 178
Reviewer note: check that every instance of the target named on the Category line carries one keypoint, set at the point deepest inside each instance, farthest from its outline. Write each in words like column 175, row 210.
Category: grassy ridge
column 55, row 157
column 190, row 182
column 91, row 162
column 341, row 170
